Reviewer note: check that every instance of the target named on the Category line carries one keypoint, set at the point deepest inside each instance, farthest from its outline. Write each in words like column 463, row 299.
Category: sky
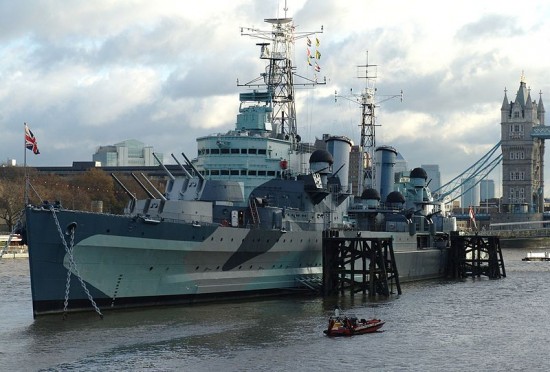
column 84, row 74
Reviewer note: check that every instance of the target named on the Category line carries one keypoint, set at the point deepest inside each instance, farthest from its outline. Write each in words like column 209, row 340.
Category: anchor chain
column 72, row 266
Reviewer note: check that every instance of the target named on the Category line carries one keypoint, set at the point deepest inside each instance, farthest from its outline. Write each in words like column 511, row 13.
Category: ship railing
column 519, row 233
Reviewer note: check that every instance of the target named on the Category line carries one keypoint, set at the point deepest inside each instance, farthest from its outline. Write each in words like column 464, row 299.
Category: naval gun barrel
column 153, row 186
column 149, row 193
column 201, row 177
column 123, row 187
column 182, row 167
column 165, row 169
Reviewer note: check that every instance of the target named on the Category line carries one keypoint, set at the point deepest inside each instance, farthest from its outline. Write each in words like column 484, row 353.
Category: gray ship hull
column 129, row 261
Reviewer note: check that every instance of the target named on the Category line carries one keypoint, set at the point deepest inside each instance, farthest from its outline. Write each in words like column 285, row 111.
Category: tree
column 73, row 192
column 12, row 187
column 94, row 185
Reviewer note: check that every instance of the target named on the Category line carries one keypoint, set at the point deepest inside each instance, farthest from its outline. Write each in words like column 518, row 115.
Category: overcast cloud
column 86, row 74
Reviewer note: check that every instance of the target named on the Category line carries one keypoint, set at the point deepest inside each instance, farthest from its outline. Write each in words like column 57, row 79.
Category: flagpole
column 26, row 196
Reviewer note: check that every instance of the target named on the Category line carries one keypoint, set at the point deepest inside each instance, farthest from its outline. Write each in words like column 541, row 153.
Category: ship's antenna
column 285, row 8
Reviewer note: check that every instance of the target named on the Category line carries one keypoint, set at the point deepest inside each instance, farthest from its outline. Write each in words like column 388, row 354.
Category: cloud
column 85, row 74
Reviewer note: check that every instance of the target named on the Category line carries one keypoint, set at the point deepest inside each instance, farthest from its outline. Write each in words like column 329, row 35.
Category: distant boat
column 537, row 256
column 11, row 246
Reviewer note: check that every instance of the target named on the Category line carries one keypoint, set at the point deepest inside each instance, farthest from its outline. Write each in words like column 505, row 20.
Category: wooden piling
column 371, row 259
column 475, row 255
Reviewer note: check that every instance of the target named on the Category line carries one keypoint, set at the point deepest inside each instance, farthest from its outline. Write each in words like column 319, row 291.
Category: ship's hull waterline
column 128, row 262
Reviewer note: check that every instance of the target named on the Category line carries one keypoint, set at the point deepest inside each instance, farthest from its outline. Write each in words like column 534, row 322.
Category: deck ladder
column 254, row 212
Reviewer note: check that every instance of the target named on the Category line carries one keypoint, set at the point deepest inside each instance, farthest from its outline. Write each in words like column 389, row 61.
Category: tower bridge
column 523, row 132
column 541, row 131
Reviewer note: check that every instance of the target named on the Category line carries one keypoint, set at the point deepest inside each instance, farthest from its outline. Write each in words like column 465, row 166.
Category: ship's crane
column 473, row 175
column 366, row 99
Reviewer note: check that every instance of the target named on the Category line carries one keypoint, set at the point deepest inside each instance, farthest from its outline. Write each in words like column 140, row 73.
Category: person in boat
column 336, row 312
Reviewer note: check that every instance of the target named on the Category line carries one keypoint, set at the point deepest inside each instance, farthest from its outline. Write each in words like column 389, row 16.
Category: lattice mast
column 368, row 124
column 366, row 100
column 279, row 76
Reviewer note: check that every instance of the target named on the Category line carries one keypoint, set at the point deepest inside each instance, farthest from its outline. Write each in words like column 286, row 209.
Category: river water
column 469, row 325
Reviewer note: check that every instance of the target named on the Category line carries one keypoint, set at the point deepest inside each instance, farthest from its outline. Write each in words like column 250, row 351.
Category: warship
column 245, row 218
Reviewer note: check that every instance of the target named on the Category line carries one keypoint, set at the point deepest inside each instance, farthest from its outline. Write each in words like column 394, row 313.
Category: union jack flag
column 30, row 141
column 473, row 217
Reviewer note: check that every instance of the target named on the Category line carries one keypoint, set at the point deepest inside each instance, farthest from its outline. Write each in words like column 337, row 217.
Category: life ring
column 225, row 223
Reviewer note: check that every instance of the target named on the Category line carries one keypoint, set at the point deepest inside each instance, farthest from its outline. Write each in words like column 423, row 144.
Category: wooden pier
column 475, row 255
column 372, row 259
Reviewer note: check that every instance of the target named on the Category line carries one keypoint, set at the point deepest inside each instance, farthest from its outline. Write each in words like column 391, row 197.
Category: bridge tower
column 522, row 142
